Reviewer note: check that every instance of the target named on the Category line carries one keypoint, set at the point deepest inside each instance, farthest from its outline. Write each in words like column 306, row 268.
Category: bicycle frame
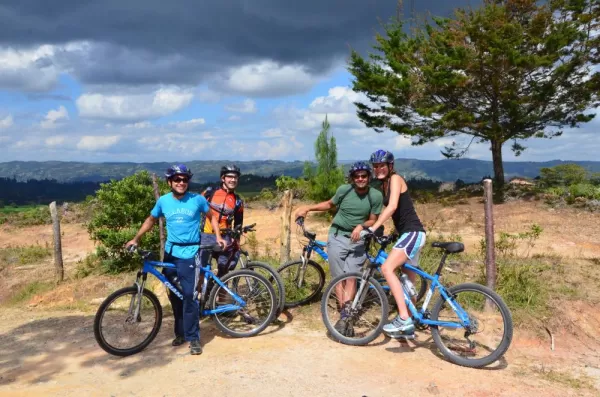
column 380, row 258
column 150, row 267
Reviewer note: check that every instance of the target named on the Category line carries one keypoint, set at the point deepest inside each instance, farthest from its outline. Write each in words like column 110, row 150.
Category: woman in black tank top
column 399, row 207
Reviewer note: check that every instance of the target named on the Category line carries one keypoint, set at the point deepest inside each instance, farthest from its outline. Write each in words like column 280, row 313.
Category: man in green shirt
column 358, row 207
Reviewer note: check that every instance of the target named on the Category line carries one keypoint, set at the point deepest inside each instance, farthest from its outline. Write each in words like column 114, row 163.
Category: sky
column 150, row 80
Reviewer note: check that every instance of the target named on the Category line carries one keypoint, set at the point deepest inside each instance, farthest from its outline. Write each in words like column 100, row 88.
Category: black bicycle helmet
column 230, row 169
column 359, row 166
column 382, row 156
column 178, row 169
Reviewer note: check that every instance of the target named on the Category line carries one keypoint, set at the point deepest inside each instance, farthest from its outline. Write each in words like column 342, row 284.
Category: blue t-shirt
column 183, row 221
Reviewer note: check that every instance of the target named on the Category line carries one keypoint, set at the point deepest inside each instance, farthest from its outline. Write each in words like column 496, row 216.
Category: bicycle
column 369, row 312
column 300, row 291
column 247, row 263
column 243, row 288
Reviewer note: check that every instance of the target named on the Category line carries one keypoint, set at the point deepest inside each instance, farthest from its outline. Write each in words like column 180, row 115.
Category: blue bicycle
column 242, row 304
column 457, row 320
column 304, row 278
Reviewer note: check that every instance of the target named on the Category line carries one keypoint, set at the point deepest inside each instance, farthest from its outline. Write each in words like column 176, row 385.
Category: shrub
column 119, row 209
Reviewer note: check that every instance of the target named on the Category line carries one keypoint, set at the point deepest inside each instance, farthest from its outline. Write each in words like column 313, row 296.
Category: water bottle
column 409, row 288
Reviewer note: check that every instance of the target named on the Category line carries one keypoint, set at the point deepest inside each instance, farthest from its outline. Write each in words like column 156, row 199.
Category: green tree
column 508, row 71
column 563, row 175
column 119, row 209
column 328, row 175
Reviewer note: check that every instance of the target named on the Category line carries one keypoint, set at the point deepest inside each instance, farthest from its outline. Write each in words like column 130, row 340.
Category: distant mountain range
column 467, row 170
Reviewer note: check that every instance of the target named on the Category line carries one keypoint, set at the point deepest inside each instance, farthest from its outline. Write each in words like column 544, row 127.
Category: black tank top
column 405, row 217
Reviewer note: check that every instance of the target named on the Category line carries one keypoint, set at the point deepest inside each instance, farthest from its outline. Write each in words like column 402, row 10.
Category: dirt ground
column 47, row 348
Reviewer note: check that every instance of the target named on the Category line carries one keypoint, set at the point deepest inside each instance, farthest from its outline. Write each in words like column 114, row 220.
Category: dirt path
column 54, row 353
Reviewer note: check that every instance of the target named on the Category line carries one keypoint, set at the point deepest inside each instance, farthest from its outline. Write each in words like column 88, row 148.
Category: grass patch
column 30, row 290
column 26, row 216
column 24, row 254
column 568, row 379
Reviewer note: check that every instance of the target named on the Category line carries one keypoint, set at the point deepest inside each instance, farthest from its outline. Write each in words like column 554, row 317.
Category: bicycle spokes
column 485, row 329
column 128, row 320
column 256, row 296
column 357, row 301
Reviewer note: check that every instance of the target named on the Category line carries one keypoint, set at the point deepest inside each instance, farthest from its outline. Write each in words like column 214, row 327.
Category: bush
column 119, row 209
column 562, row 175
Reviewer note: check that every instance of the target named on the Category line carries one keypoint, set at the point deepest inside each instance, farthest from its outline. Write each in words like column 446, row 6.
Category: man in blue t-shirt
column 182, row 211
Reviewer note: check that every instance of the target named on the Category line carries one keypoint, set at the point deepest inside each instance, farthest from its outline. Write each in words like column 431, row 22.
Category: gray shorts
column 345, row 256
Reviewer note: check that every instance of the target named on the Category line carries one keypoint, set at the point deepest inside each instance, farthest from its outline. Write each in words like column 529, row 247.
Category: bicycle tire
column 506, row 317
column 277, row 280
column 292, row 300
column 98, row 332
column 272, row 310
column 331, row 328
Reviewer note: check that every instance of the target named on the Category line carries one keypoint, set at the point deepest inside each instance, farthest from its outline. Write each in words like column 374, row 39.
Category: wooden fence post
column 490, row 255
column 286, row 214
column 161, row 226
column 58, row 259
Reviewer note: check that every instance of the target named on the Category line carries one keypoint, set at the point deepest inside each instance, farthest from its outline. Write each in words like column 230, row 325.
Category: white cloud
column 140, row 125
column 268, row 78
column 272, row 133
column 338, row 106
column 134, row 107
column 234, row 117
column 247, row 106
column 278, row 149
column 190, row 123
column 6, row 122
column 30, row 70
column 56, row 140
column 54, row 117
column 94, row 143
column 4, row 138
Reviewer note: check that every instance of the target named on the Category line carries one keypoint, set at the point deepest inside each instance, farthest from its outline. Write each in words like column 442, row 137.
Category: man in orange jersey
column 228, row 208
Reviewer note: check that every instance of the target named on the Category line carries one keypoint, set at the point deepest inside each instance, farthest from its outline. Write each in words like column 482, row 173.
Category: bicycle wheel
column 301, row 290
column 467, row 346
column 366, row 319
column 114, row 324
column 274, row 278
column 260, row 298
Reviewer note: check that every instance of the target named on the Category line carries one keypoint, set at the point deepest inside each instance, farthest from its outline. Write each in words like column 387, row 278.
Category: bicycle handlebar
column 145, row 254
column 238, row 230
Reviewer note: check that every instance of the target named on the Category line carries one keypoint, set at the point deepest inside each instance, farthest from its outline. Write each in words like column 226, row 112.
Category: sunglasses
column 361, row 176
column 179, row 180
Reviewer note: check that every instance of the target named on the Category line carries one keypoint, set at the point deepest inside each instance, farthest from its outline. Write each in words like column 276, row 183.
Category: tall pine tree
column 506, row 72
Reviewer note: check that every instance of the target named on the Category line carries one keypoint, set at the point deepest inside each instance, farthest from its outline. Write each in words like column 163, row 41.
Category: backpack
column 209, row 193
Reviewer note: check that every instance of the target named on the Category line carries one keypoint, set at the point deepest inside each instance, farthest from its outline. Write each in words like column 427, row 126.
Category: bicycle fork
column 136, row 300
column 302, row 271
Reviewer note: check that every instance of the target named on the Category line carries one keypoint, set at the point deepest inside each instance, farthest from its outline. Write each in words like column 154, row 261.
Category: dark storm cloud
column 155, row 41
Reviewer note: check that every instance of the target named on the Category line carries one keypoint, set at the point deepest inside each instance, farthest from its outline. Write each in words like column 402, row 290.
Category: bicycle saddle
column 450, row 247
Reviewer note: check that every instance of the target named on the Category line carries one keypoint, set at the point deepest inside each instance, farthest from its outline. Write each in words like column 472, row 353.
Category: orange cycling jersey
column 223, row 207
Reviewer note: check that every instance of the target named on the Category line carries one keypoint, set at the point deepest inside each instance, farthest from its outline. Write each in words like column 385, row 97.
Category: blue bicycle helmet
column 382, row 156
column 359, row 166
column 178, row 169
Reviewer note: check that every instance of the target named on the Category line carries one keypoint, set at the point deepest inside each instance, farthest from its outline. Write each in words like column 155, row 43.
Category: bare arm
column 322, row 206
column 397, row 186
column 146, row 227
column 355, row 236
column 215, row 227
